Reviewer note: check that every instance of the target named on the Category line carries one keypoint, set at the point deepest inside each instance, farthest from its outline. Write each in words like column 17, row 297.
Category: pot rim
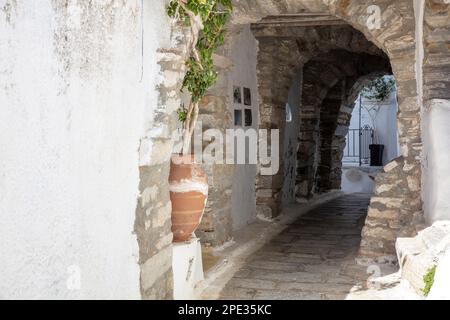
column 178, row 158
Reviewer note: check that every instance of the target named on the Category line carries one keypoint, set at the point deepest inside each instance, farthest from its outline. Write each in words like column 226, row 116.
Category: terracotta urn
column 188, row 186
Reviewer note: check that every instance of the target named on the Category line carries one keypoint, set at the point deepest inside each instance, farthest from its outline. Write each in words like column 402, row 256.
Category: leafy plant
column 182, row 114
column 428, row 279
column 207, row 20
column 379, row 89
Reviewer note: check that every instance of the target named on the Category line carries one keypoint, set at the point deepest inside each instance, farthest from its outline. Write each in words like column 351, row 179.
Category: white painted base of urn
column 187, row 268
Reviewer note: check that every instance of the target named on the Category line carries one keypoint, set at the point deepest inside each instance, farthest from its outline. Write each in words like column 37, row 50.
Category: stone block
column 388, row 202
column 391, row 166
column 383, row 214
column 251, row 283
column 155, row 268
column 264, row 193
column 379, row 233
column 436, row 237
column 264, row 211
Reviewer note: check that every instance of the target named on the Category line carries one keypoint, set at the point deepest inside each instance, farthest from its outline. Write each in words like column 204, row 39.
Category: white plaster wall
column 435, row 138
column 439, row 290
column 291, row 140
column 386, row 124
column 419, row 13
column 187, row 268
column 436, row 169
column 73, row 108
column 243, row 74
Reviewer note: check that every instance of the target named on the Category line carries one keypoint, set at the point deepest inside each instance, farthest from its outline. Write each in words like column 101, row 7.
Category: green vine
column 379, row 89
column 182, row 113
column 428, row 280
column 207, row 20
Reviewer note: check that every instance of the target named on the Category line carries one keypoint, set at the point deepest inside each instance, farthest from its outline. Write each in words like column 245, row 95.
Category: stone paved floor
column 312, row 259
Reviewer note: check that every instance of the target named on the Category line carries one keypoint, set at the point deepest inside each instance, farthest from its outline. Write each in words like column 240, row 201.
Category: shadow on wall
column 359, row 180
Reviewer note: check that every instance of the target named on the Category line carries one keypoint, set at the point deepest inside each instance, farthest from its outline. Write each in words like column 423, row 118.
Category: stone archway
column 328, row 79
column 396, row 210
column 352, row 91
column 282, row 51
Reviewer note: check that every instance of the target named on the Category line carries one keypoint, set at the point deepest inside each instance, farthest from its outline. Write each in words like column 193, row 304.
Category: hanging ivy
column 207, row 20
column 379, row 89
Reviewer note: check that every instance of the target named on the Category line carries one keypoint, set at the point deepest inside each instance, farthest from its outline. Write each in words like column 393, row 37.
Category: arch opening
column 334, row 49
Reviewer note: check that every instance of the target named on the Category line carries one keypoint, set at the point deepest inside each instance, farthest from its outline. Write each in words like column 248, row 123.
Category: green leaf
column 215, row 14
column 428, row 280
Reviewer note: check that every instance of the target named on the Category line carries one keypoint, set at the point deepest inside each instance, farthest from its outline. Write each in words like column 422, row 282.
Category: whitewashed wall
column 243, row 74
column 436, row 169
column 73, row 107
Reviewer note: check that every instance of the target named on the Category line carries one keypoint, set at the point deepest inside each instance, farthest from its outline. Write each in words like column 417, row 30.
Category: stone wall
column 322, row 137
column 329, row 113
column 436, row 65
column 396, row 37
column 277, row 65
column 216, row 225
column 153, row 210
column 100, row 108
column 320, row 74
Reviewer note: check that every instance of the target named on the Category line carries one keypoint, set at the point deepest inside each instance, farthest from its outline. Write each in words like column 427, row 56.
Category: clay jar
column 188, row 186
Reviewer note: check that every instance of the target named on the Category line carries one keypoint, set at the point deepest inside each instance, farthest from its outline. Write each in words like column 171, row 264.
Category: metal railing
column 357, row 145
column 366, row 139
column 351, row 151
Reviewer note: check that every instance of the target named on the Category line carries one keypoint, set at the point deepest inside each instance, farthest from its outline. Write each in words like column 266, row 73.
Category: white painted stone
column 187, row 268
column 161, row 216
column 243, row 56
column 441, row 287
column 155, row 267
column 171, row 78
column 164, row 241
column 436, row 237
column 149, row 194
column 417, row 255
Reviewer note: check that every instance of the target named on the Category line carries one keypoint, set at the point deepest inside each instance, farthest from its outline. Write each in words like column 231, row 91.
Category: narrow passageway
column 314, row 258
